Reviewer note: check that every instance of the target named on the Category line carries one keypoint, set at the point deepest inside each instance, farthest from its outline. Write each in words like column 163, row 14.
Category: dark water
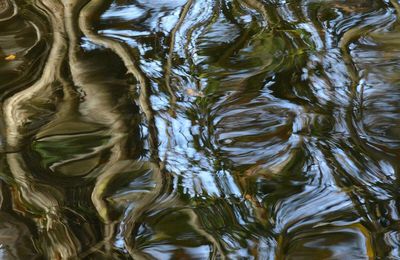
column 200, row 129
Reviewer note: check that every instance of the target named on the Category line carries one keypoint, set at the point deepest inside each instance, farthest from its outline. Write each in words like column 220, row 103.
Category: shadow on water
column 221, row 129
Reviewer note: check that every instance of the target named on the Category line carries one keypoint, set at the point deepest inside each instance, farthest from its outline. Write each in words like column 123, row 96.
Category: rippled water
column 195, row 129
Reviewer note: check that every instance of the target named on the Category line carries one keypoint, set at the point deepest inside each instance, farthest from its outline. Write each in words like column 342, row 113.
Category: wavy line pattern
column 220, row 129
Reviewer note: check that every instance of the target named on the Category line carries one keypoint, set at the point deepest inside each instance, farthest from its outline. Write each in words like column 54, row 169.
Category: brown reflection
column 158, row 196
column 173, row 33
column 42, row 200
column 288, row 147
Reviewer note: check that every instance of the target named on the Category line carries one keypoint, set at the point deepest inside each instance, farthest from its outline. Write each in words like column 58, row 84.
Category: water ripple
column 218, row 129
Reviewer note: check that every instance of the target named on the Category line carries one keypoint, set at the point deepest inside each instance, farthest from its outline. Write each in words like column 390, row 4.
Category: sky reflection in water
column 190, row 129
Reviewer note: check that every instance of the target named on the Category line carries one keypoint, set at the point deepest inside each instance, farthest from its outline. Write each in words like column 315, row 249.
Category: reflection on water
column 222, row 129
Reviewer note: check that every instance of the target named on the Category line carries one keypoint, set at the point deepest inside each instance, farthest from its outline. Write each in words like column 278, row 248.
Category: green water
column 199, row 129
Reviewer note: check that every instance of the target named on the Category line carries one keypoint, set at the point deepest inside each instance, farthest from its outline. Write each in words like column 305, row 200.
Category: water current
column 199, row 129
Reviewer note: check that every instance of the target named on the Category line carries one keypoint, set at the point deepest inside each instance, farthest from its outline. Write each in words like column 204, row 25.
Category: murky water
column 196, row 129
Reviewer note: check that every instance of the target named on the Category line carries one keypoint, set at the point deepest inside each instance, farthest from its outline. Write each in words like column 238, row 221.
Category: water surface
column 199, row 129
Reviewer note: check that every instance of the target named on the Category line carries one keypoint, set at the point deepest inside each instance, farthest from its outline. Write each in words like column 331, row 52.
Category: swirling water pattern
column 196, row 129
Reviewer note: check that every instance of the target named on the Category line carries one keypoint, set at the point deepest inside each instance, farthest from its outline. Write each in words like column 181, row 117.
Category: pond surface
column 200, row 129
